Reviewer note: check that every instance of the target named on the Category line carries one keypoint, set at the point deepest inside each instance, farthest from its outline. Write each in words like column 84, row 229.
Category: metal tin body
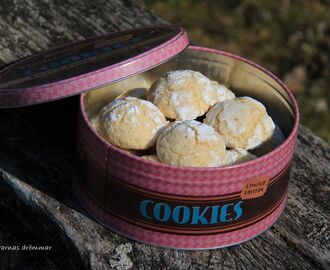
column 185, row 207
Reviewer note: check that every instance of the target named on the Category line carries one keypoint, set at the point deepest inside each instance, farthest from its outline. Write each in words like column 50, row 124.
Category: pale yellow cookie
column 191, row 143
column 238, row 156
column 151, row 157
column 222, row 93
column 185, row 94
column 243, row 122
column 131, row 123
column 272, row 143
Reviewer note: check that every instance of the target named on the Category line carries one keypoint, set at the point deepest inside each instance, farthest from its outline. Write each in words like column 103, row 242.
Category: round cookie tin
column 157, row 203
column 187, row 207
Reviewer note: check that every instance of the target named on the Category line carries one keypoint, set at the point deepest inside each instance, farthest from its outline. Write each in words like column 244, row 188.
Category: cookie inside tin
column 240, row 77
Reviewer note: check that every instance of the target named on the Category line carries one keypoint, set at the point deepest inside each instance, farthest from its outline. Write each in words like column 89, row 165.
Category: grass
column 290, row 38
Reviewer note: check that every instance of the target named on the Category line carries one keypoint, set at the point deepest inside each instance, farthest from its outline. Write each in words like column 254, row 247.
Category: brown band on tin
column 89, row 175
column 187, row 215
column 203, row 231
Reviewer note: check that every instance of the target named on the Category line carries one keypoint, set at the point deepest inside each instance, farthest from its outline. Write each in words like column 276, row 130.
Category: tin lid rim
column 21, row 96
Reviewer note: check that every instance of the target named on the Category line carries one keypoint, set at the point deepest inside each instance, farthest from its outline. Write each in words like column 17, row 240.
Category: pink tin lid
column 89, row 64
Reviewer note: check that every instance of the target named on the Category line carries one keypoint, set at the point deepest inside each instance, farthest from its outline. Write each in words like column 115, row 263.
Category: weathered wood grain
column 29, row 26
column 36, row 156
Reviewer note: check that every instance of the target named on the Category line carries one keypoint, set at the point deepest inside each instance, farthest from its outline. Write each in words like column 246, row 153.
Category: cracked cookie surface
column 131, row 123
column 191, row 143
column 243, row 122
column 186, row 94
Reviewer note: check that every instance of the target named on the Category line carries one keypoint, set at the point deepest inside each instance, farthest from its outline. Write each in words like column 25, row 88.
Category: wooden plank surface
column 36, row 156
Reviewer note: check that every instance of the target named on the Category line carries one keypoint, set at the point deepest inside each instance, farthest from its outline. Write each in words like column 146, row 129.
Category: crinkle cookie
column 131, row 123
column 185, row 94
column 222, row 93
column 191, row 143
column 243, row 122
column 237, row 156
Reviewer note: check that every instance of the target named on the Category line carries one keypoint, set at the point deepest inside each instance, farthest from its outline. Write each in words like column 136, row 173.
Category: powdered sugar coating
column 237, row 156
column 222, row 93
column 191, row 143
column 265, row 123
column 131, row 123
column 243, row 122
column 185, row 94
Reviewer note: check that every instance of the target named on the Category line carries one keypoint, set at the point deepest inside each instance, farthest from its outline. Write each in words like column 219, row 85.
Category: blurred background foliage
column 290, row 38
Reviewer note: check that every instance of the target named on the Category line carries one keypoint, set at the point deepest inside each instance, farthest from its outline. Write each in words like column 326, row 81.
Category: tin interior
column 242, row 78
